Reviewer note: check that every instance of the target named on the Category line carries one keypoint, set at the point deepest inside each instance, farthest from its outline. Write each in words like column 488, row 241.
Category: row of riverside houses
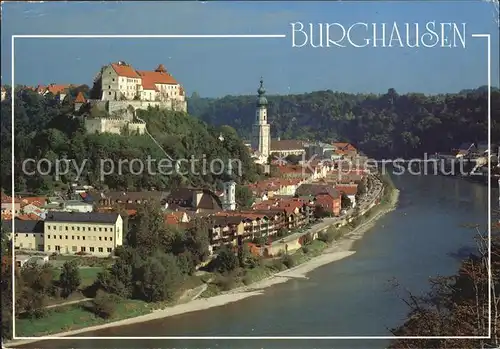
column 87, row 223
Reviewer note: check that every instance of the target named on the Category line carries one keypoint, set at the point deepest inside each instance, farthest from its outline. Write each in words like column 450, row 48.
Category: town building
column 60, row 91
column 62, row 205
column 193, row 201
column 122, row 82
column 28, row 234
column 283, row 148
column 83, row 233
column 4, row 93
column 261, row 130
column 8, row 207
column 229, row 196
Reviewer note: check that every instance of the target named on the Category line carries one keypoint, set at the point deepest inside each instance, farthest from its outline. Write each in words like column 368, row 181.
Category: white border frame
column 42, row 338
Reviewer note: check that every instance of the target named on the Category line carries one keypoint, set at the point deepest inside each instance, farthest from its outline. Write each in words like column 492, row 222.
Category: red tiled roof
column 80, row 98
column 157, row 77
column 34, row 200
column 57, row 89
column 351, row 189
column 8, row 199
column 125, row 70
column 148, row 83
column 344, row 147
column 28, row 217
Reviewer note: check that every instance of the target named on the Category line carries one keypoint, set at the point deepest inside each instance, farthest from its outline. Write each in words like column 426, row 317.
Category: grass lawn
column 87, row 274
column 72, row 317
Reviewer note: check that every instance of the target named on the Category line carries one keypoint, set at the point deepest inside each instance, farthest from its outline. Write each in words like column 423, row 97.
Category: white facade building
column 121, row 82
column 261, row 130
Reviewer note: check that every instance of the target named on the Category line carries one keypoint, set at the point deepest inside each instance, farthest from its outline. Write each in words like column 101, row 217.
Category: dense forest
column 381, row 125
column 47, row 129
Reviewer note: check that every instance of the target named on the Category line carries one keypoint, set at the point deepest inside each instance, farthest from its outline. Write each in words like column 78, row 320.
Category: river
column 425, row 236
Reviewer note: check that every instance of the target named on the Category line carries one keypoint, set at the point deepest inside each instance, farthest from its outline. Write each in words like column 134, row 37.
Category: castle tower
column 229, row 185
column 261, row 130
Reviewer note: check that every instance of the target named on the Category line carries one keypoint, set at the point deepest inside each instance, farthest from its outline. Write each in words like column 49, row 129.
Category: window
column 66, row 228
column 48, row 236
column 73, row 248
column 66, row 237
column 72, row 237
column 105, row 229
column 83, row 237
column 100, row 249
column 58, row 248
column 111, row 229
column 110, row 239
column 110, row 250
column 78, row 228
column 109, row 93
column 72, row 228
column 100, row 238
column 60, row 237
column 82, row 248
column 100, row 229
column 26, row 235
column 105, row 238
column 48, row 247
column 94, row 228
column 78, row 238
column 109, row 87
column 91, row 249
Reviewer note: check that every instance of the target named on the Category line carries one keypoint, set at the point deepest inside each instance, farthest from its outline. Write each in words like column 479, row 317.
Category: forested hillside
column 381, row 125
column 45, row 128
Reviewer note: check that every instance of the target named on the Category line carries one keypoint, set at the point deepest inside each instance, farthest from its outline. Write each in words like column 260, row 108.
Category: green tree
column 226, row 260
column 345, row 202
column 70, row 279
column 104, row 305
column 244, row 197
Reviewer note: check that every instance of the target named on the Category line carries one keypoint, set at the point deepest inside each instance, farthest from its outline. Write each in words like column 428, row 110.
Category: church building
column 261, row 130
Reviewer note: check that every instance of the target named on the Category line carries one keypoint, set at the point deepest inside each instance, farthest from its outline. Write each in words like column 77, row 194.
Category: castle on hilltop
column 123, row 90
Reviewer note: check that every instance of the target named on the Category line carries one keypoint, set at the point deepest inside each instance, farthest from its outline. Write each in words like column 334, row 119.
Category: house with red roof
column 60, row 91
column 122, row 82
column 345, row 150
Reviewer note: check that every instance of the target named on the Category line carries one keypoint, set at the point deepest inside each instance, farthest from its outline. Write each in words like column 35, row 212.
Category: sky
column 217, row 67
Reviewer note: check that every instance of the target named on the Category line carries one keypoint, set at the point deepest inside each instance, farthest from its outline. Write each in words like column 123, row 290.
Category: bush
column 329, row 236
column 225, row 283
column 276, row 265
column 305, row 249
column 104, row 305
column 288, row 261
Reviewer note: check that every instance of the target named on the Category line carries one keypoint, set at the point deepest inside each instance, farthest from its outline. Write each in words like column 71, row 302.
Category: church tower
column 229, row 186
column 261, row 130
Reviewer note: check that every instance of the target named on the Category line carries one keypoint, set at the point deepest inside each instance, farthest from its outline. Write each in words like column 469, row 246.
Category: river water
column 425, row 236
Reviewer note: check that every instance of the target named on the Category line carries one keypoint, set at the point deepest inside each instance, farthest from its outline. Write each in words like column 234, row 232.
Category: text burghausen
column 430, row 34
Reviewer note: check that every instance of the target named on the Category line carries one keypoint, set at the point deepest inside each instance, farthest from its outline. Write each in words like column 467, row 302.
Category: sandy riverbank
column 339, row 250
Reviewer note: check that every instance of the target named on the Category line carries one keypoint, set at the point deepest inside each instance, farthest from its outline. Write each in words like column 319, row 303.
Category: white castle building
column 124, row 90
column 121, row 82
